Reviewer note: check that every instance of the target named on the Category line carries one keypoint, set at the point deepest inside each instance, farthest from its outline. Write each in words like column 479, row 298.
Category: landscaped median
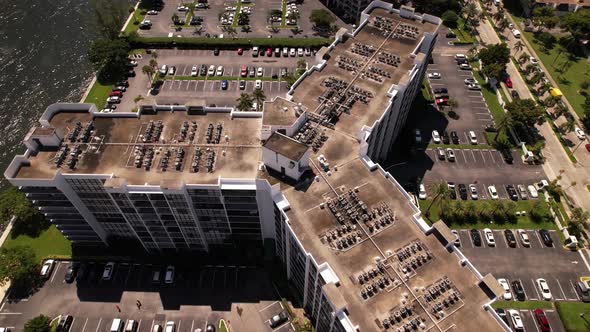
column 49, row 243
column 524, row 305
column 575, row 316
column 98, row 94
column 228, row 43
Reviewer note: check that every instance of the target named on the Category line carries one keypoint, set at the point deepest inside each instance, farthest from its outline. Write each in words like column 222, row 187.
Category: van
column 131, row 326
column 117, row 325
column 516, row 33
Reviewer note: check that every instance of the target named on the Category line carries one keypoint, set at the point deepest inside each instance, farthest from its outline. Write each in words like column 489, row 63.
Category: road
column 556, row 158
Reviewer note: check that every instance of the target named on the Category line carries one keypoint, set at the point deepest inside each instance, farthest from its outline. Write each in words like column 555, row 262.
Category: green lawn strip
column 284, row 16
column 460, row 146
column 98, row 94
column 566, row 148
column 524, row 305
column 238, row 8
column 426, row 90
column 229, row 43
column 575, row 71
column 523, row 222
column 569, row 312
column 49, row 243
column 137, row 18
column 223, row 326
column 490, row 97
column 462, row 33
column 219, row 78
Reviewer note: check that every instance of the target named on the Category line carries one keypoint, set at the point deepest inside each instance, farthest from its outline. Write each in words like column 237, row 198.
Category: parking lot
column 242, row 295
column 212, row 27
column 529, row 323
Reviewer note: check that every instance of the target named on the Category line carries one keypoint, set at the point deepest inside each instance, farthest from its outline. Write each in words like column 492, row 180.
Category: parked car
column 300, row 51
column 242, row 85
column 533, row 61
column 71, row 273
column 240, row 51
column 203, row 71
column 508, row 82
column 434, row 75
column 522, row 192
column 441, row 91
column 583, row 291
column 219, row 71
column 507, row 155
column 435, row 137
column 457, row 242
column 544, row 288
column 524, row 238
column 114, row 99
column 258, row 84
column 440, row 152
column 544, row 234
column 163, row 70
column 470, row 80
column 255, row 51
column 170, row 326
column 216, row 51
column 472, row 137
column 518, row 290
column 421, row 191
column 542, row 320
column 244, row 71
column 510, row 238
column 445, row 137
column 122, row 83
column 515, row 94
column 580, row 133
column 473, row 191
column 107, row 273
column 259, row 72
column 475, row 237
column 278, row 320
column 493, row 192
column 474, row 86
column 502, row 314
column 507, row 293
column 116, row 93
column 454, row 137
column 285, row 51
column 224, row 84
column 119, row 88
column 516, row 320
column 145, row 25
column 169, row 274
column 171, row 70
column 152, row 12
column 194, row 71
column 465, row 66
column 512, row 192
column 462, row 191
column 489, row 236
column 47, row 268
column 533, row 191
column 65, row 323
column 292, row 52
column 452, row 192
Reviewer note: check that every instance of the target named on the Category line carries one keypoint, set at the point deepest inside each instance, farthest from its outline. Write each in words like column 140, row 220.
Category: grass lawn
column 490, row 97
column 222, row 326
column 133, row 25
column 525, row 305
column 462, row 32
column 98, row 94
column 566, row 69
column 50, row 243
column 522, row 222
column 569, row 312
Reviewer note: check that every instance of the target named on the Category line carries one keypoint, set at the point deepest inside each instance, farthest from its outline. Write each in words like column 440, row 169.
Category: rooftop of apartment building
column 349, row 92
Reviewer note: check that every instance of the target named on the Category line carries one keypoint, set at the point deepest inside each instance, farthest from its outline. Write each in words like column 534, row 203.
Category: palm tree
column 154, row 55
column 568, row 126
column 518, row 46
column 560, row 109
column 153, row 63
column 301, row 63
column 452, row 103
column 149, row 71
column 245, row 102
column 499, row 15
column 441, row 192
column 503, row 24
column 175, row 18
column 523, row 58
column 259, row 96
column 231, row 31
column 503, row 125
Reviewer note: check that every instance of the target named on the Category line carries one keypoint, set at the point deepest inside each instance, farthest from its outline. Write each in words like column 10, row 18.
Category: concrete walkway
column 4, row 289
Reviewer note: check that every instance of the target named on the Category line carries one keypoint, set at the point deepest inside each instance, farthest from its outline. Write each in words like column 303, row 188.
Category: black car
column 242, row 85
column 130, row 73
column 512, row 192
column 210, row 328
column 203, row 71
column 216, row 51
column 463, row 191
column 65, row 323
column 461, row 61
column 452, row 192
column 515, row 94
column 510, row 238
column 122, row 83
column 475, row 237
column 454, row 137
column 518, row 290
column 502, row 314
column 81, row 273
column 507, row 155
column 71, row 273
column 278, row 320
column 441, row 90
column 546, row 237
column 445, row 137
column 451, row 34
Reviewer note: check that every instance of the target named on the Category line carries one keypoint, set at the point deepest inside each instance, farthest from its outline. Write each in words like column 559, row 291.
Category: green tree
column 149, row 71
column 441, row 192
column 450, row 18
column 258, row 96
column 110, row 16
column 568, row 126
column 245, row 102
column 28, row 220
column 544, row 17
column 579, row 216
column 436, row 7
column 19, row 265
column 494, row 59
column 518, row 46
column 503, row 125
column 523, row 58
column 301, row 63
column 577, row 23
column 525, row 112
column 493, row 70
column 322, row 19
column 546, row 40
column 38, row 324
column 175, row 18
column 109, row 58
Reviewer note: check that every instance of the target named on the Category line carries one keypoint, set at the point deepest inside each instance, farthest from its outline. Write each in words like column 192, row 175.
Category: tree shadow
column 32, row 227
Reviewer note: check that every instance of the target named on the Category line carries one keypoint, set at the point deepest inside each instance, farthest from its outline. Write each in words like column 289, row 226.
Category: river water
column 43, row 47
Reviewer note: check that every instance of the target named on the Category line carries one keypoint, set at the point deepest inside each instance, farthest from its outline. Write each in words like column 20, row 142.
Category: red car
column 244, row 71
column 509, row 82
column 542, row 320
column 587, row 147
column 441, row 101
column 269, row 51
column 240, row 51
column 116, row 93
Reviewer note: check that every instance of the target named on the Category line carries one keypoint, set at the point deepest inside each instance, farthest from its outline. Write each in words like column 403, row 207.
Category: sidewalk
column 3, row 237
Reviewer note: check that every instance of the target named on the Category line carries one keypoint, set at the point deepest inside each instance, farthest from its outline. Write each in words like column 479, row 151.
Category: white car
column 472, row 137
column 211, row 70
column 524, row 238
column 422, row 191
column 163, row 70
column 307, row 52
column 182, row 8
column 533, row 191
column 152, row 12
column 292, row 52
column 219, row 70
column 259, row 72
column 434, row 75
column 435, row 137
column 473, row 191
column 541, row 185
column 258, row 84
column 300, row 51
column 107, row 273
column 171, row 70
column 418, row 136
column 170, row 326
column 469, row 81
column 457, row 238
column 489, row 236
column 285, row 51
column 533, row 60
column 133, row 63
column 169, row 275
column 544, row 288
column 465, row 66
column 493, row 192
column 474, row 86
column 507, row 293
column 450, row 154
column 47, row 268
column 194, row 71
column 580, row 133
column 114, row 99
column 516, row 320
column 157, row 328
column 106, row 110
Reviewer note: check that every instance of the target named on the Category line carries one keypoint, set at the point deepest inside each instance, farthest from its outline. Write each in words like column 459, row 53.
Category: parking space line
column 98, row 326
column 535, row 287
column 524, row 290
column 139, row 325
column 534, row 322
column 268, row 306
column 473, row 156
column 504, row 238
column 192, row 325
column 560, row 288
column 575, row 292
column 179, row 322
column 584, row 259
column 539, row 238
column 55, row 271
column 152, row 327
column 84, row 327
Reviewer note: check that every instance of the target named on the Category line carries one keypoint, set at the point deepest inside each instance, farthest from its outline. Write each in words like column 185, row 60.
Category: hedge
column 226, row 43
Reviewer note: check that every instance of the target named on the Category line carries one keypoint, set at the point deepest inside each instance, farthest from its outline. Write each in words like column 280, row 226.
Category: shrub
column 585, row 84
